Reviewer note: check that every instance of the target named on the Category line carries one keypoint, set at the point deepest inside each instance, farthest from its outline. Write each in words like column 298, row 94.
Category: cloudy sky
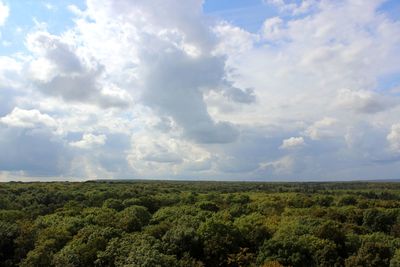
column 191, row 89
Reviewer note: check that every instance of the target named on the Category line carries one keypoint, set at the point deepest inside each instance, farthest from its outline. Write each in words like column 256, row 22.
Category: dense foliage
column 199, row 224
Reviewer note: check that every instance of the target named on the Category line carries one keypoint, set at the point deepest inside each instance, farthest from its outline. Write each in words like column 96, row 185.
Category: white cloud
column 292, row 7
column 173, row 85
column 4, row 13
column 60, row 71
column 281, row 166
column 160, row 89
column 90, row 141
column 155, row 155
column 50, row 7
column 27, row 119
column 394, row 137
column 10, row 72
column 363, row 101
column 293, row 143
column 234, row 39
column 323, row 128
column 272, row 29
column 32, row 147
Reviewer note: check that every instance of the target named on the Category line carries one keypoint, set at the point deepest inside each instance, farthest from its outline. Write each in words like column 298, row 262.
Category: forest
column 177, row 223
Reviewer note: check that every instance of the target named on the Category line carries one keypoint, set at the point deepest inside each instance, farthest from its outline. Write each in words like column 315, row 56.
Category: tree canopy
column 158, row 223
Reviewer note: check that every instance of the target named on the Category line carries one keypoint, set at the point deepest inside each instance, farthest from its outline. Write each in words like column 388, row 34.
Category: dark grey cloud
column 71, row 88
column 59, row 53
column 84, row 88
column 253, row 147
column 37, row 152
column 177, row 65
column 164, row 157
column 246, row 96
column 72, row 79
column 363, row 101
column 174, row 85
column 112, row 155
column 7, row 100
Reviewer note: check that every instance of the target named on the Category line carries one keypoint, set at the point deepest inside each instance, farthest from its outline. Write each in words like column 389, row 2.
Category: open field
column 159, row 223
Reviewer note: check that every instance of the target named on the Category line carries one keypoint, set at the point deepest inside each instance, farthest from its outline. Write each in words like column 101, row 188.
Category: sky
column 266, row 90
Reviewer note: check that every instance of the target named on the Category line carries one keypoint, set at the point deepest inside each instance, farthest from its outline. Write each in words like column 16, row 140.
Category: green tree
column 219, row 239
column 133, row 218
column 135, row 250
column 8, row 232
column 379, row 221
column 370, row 254
column 395, row 261
column 252, row 229
column 82, row 251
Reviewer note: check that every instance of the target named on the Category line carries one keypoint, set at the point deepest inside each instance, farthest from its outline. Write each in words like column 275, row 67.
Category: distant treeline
column 170, row 223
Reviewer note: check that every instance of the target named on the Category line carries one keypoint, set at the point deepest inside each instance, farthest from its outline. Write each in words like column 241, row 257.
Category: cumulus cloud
column 172, row 59
column 173, row 86
column 27, row 119
column 326, row 127
column 293, row 7
column 281, row 166
column 4, row 12
column 363, row 101
column 55, row 51
column 59, row 71
column 271, row 29
column 241, row 96
column 90, row 141
column 156, row 151
column 233, row 39
column 10, row 71
column 160, row 89
column 31, row 146
column 394, row 138
column 293, row 143
column 11, row 83
column 154, row 155
column 34, row 152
